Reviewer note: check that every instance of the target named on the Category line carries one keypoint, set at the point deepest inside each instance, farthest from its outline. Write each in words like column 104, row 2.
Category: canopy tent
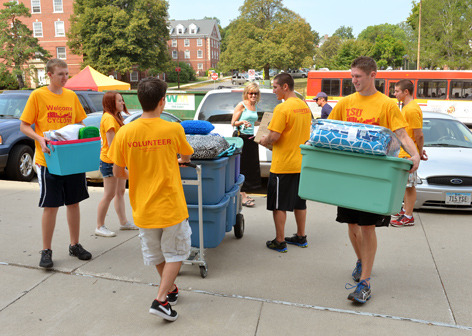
column 91, row 79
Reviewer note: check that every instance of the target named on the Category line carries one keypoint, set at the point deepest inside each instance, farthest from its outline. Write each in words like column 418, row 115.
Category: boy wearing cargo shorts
column 414, row 116
column 148, row 147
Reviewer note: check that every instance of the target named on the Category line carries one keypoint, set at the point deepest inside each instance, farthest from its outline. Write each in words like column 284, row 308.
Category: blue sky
column 323, row 16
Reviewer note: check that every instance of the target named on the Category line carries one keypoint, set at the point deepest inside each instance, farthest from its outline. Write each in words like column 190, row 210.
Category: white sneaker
column 104, row 232
column 128, row 226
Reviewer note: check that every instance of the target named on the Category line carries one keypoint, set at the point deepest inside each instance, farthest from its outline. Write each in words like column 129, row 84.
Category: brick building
column 196, row 42
column 49, row 22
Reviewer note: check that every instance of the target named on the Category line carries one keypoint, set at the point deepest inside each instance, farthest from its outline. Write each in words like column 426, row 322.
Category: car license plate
column 458, row 198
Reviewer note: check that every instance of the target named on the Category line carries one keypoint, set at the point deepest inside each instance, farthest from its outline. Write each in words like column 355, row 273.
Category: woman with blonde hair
column 114, row 188
column 244, row 118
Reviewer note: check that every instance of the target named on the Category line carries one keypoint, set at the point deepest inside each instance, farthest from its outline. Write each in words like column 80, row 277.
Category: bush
column 7, row 80
column 187, row 74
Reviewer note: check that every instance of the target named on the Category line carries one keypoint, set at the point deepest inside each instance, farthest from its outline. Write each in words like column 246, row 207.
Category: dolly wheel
column 203, row 271
column 239, row 226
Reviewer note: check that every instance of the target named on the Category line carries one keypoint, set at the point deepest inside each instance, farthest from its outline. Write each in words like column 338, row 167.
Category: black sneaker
column 46, row 259
column 275, row 245
column 173, row 296
column 78, row 251
column 361, row 294
column 356, row 274
column 164, row 310
column 300, row 241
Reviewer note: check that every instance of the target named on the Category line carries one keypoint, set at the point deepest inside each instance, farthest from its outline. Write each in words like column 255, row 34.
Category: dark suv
column 16, row 149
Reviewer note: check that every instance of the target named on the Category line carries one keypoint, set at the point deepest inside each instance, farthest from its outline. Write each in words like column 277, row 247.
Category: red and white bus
column 446, row 91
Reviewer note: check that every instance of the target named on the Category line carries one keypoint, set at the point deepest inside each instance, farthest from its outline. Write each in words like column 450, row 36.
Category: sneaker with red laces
column 173, row 296
column 403, row 221
column 398, row 214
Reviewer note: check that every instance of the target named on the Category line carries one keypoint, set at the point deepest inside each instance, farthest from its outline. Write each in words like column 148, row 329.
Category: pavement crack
column 437, row 271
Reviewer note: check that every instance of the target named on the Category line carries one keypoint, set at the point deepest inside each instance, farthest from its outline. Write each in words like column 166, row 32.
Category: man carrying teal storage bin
column 368, row 106
column 51, row 108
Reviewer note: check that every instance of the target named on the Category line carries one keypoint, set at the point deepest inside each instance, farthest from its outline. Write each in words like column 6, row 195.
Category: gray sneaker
column 356, row 274
column 362, row 293
column 46, row 259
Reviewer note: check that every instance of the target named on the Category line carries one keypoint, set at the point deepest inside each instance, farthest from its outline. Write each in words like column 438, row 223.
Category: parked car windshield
column 97, row 101
column 446, row 133
column 218, row 108
column 12, row 105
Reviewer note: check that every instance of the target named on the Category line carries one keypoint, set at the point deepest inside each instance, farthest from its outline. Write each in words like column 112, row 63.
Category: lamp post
column 419, row 39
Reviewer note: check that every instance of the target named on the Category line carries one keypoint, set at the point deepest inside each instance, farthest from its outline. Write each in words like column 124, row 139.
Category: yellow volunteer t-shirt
column 414, row 117
column 148, row 148
column 49, row 111
column 107, row 123
column 292, row 119
column 376, row 109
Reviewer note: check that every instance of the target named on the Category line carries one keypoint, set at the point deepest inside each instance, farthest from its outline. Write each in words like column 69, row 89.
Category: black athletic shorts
column 56, row 190
column 282, row 193
column 361, row 218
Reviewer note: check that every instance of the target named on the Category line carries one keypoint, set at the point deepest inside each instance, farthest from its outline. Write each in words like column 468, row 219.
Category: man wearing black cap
column 322, row 100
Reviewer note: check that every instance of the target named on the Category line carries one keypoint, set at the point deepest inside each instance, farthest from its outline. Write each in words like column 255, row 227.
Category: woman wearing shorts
column 114, row 188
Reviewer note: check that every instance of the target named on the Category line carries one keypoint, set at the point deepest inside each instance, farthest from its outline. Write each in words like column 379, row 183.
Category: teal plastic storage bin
column 234, row 204
column 357, row 181
column 230, row 174
column 74, row 156
column 214, row 222
column 213, row 181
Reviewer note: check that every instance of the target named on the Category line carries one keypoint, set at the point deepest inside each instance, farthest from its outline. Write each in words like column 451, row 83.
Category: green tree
column 187, row 74
column 266, row 34
column 17, row 44
column 348, row 52
column 345, row 33
column 446, row 33
column 326, row 53
column 387, row 51
column 118, row 34
column 372, row 32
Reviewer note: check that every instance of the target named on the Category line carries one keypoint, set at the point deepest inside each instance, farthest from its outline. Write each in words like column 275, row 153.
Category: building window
column 61, row 52
column 199, row 43
column 180, row 29
column 193, row 28
column 187, row 53
column 186, row 43
column 37, row 29
column 134, row 76
column 199, row 54
column 59, row 27
column 35, row 6
column 174, row 43
column 57, row 4
column 174, row 54
column 200, row 66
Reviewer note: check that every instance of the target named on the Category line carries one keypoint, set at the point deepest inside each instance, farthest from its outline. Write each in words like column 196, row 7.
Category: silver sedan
column 445, row 180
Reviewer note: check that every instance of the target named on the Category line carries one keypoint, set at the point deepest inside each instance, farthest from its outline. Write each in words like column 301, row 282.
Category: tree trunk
column 266, row 72
column 21, row 83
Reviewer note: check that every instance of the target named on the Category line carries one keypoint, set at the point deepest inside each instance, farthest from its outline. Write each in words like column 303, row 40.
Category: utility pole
column 419, row 40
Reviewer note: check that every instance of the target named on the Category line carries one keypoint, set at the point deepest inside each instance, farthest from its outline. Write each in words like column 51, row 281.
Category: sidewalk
column 421, row 280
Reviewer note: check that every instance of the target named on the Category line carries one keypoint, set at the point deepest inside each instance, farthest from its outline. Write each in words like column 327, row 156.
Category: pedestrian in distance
column 368, row 106
column 244, row 118
column 113, row 188
column 414, row 116
column 50, row 108
column 288, row 129
column 322, row 100
column 148, row 147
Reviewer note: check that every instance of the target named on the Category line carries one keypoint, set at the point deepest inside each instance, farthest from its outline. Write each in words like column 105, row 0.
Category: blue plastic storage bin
column 234, row 204
column 231, row 177
column 214, row 222
column 74, row 156
column 213, row 181
column 237, row 169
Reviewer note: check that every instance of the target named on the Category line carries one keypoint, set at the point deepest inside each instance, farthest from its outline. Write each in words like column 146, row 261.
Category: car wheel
column 20, row 163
